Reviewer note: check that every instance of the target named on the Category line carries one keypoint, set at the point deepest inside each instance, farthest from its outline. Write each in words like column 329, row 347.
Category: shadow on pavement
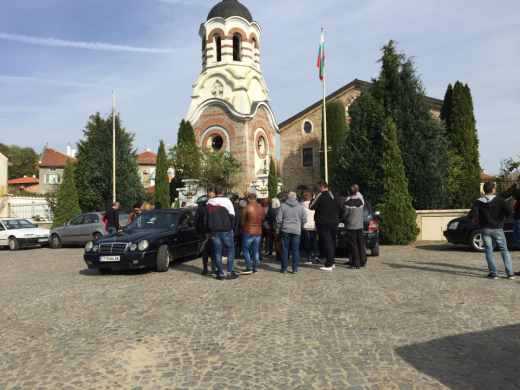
column 116, row 272
column 482, row 269
column 480, row 360
column 444, row 248
column 442, row 271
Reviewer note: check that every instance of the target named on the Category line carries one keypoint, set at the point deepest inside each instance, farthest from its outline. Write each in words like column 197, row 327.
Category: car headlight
column 95, row 249
column 89, row 246
column 453, row 226
column 133, row 247
column 143, row 245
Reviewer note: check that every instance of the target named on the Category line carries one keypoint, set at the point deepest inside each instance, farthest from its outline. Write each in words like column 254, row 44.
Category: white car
column 16, row 233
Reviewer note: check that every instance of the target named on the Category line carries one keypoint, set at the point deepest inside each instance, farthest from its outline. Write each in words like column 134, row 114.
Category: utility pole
column 113, row 146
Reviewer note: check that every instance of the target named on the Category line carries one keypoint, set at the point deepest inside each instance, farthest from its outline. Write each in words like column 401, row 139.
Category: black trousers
column 327, row 238
column 207, row 253
column 356, row 247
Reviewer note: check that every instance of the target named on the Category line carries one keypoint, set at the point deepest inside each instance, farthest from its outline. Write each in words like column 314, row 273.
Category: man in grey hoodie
column 289, row 221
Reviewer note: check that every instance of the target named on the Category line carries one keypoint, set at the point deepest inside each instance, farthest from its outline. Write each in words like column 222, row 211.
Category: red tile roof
column 53, row 158
column 150, row 190
column 147, row 158
column 24, row 180
column 484, row 176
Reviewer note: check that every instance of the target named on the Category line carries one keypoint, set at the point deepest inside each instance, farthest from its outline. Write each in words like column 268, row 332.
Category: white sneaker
column 325, row 268
column 333, row 265
column 224, row 258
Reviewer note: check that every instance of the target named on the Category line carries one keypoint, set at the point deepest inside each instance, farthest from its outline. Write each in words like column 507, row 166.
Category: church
column 230, row 108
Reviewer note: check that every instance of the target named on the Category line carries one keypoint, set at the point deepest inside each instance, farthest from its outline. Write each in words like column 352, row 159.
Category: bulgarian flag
column 321, row 57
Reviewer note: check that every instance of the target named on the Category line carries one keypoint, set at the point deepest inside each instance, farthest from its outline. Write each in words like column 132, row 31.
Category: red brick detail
column 251, row 36
column 227, row 54
column 210, row 57
column 246, row 56
column 266, row 138
column 210, row 48
column 213, row 132
column 247, row 48
column 228, row 46
column 239, row 31
column 216, row 31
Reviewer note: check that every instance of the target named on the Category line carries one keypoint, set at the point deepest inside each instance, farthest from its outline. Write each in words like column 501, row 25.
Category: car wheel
column 13, row 244
column 375, row 250
column 476, row 242
column 104, row 270
column 55, row 242
column 96, row 235
column 163, row 259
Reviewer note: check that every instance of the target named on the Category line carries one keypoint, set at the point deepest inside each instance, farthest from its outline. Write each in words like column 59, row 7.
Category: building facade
column 147, row 163
column 52, row 164
column 4, row 163
column 301, row 135
column 230, row 107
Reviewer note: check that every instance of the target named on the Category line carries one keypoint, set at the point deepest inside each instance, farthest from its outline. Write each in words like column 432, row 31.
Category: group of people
column 239, row 227
column 489, row 212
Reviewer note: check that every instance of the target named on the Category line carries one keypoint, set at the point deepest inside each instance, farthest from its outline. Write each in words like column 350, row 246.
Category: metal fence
column 32, row 210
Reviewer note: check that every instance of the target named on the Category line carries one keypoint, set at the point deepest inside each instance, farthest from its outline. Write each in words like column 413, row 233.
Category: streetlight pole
column 113, row 146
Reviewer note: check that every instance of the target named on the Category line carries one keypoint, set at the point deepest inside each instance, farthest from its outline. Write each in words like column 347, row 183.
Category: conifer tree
column 162, row 182
column 463, row 177
column 186, row 155
column 273, row 181
column 336, row 131
column 67, row 203
column 398, row 219
column 98, row 173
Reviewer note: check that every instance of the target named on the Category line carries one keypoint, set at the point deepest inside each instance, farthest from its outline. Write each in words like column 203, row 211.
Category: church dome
column 229, row 8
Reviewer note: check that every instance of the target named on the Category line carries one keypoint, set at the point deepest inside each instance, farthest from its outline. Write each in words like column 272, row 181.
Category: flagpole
column 325, row 121
column 113, row 146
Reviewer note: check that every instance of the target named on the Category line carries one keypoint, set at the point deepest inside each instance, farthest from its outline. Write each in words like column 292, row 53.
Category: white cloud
column 18, row 79
column 80, row 45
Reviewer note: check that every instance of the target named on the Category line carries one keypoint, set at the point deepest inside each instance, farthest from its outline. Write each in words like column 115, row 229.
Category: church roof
column 229, row 8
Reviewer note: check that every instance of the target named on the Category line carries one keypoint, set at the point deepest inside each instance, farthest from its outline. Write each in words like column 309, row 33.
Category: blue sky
column 60, row 60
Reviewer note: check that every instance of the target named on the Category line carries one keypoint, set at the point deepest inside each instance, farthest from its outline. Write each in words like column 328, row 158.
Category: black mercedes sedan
column 462, row 231
column 152, row 240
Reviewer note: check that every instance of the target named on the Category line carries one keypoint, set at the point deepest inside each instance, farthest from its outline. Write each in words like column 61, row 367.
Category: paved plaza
column 419, row 317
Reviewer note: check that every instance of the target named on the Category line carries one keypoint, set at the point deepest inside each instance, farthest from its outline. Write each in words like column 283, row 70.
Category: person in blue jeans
column 251, row 222
column 290, row 221
column 219, row 222
column 112, row 218
column 309, row 232
column 515, row 206
column 489, row 212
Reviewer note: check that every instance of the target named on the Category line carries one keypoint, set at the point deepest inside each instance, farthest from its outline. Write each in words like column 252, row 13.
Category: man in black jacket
column 200, row 229
column 328, row 209
column 490, row 211
column 112, row 218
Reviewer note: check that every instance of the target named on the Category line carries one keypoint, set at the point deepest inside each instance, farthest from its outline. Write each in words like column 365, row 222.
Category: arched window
column 218, row 43
column 237, row 47
column 204, row 43
column 253, row 43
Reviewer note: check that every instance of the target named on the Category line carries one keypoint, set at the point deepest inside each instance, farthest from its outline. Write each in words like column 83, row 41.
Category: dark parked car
column 370, row 229
column 81, row 229
column 152, row 240
column 462, row 231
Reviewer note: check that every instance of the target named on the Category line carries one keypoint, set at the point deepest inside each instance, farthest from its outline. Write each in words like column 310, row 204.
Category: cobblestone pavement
column 419, row 317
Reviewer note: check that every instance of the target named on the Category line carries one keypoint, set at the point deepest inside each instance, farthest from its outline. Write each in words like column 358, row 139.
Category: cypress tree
column 187, row 157
column 98, row 173
column 398, row 219
column 336, row 131
column 464, row 175
column 162, row 182
column 67, row 203
column 273, row 181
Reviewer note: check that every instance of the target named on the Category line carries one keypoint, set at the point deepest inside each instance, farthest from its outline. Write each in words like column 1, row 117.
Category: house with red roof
column 29, row 184
column 147, row 162
column 52, row 165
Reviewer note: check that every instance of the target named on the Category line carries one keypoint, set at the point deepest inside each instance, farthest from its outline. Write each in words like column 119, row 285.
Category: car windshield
column 14, row 224
column 154, row 220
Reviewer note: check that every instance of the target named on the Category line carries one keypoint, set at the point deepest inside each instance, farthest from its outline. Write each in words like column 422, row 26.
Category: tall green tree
column 463, row 177
column 272, row 185
column 398, row 219
column 219, row 168
column 397, row 93
column 98, row 172
column 186, row 155
column 23, row 161
column 67, row 202
column 336, row 131
column 162, row 182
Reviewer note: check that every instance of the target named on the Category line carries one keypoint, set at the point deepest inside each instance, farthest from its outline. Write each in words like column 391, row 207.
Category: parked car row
column 17, row 233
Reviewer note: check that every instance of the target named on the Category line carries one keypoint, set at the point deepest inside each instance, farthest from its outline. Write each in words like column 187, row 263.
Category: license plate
column 108, row 259
column 43, row 240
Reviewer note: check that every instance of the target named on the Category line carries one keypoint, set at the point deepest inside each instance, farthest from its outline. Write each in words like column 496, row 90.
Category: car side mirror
column 377, row 213
column 184, row 227
column 67, row 223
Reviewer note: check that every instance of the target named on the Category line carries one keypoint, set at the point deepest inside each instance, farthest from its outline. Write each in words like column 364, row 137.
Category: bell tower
column 230, row 106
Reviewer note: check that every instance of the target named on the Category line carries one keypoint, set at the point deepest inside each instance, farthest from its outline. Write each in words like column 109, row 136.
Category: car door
column 187, row 236
column 3, row 235
column 88, row 226
column 70, row 233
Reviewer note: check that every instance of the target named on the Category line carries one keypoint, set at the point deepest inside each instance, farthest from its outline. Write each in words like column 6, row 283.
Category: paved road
column 420, row 317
